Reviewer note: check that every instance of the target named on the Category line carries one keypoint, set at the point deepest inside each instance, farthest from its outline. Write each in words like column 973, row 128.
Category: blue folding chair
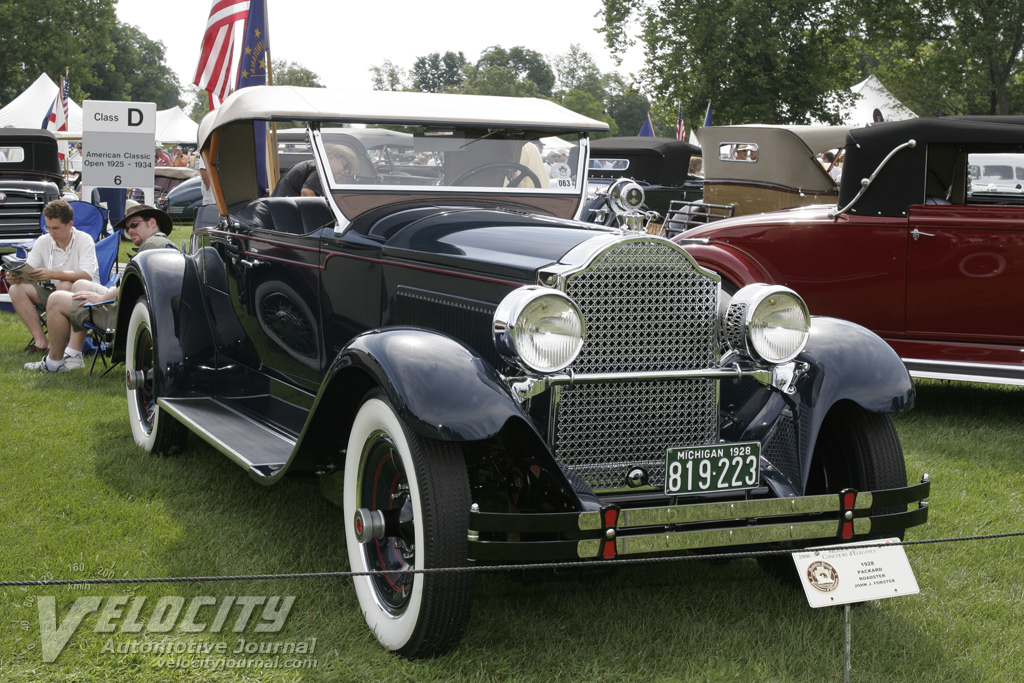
column 97, row 339
column 89, row 218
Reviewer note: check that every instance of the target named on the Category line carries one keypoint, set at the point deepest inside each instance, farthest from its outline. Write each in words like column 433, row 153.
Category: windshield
column 453, row 159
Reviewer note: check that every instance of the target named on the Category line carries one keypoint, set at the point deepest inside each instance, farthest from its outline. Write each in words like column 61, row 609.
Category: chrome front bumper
column 615, row 531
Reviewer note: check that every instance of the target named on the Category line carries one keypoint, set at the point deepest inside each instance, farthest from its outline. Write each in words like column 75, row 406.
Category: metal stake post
column 846, row 658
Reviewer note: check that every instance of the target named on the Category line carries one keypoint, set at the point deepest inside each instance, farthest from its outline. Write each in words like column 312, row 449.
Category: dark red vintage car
column 913, row 250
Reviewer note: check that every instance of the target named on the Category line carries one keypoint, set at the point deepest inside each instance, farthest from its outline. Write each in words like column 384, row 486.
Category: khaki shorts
column 43, row 289
column 103, row 317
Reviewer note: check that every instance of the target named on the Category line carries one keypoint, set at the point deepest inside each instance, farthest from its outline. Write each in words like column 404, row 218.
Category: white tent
column 873, row 95
column 28, row 109
column 174, row 126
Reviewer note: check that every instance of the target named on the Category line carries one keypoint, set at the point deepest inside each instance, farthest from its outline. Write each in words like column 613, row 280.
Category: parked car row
column 477, row 375
column 917, row 246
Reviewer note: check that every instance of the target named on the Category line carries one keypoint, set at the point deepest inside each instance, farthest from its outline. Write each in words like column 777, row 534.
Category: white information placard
column 118, row 139
column 842, row 574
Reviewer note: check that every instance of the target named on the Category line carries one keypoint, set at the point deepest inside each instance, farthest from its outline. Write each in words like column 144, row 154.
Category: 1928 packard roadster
column 477, row 376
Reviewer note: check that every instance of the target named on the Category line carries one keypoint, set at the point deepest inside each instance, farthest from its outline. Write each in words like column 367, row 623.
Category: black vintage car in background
column 30, row 178
column 661, row 166
column 477, row 376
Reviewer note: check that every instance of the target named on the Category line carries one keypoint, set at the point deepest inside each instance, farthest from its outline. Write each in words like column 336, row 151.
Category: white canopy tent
column 174, row 126
column 28, row 109
column 874, row 95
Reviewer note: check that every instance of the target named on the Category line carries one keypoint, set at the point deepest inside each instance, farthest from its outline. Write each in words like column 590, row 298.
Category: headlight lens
column 538, row 329
column 769, row 322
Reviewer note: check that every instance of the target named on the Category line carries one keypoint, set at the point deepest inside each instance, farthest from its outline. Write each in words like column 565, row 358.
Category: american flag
column 214, row 73
column 680, row 124
column 57, row 118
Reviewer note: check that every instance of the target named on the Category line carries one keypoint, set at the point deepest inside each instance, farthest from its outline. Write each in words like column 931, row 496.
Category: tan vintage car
column 766, row 168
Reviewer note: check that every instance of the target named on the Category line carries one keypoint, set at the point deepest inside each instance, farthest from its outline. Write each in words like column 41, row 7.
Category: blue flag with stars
column 252, row 70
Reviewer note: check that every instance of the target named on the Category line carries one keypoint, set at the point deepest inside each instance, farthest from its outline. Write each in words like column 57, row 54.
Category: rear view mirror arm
column 866, row 182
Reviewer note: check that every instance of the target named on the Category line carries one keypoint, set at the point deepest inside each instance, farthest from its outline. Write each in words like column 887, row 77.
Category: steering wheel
column 524, row 172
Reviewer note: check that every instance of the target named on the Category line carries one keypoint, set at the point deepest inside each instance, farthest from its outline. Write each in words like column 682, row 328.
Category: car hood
column 492, row 241
column 817, row 213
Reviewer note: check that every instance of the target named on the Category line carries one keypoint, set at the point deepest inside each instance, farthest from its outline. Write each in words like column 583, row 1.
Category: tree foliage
column 758, row 61
column 293, row 73
column 388, row 76
column 524, row 64
column 439, row 73
column 107, row 59
column 137, row 72
column 950, row 56
column 576, row 70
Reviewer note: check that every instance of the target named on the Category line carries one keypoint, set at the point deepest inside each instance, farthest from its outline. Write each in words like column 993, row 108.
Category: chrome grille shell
column 648, row 307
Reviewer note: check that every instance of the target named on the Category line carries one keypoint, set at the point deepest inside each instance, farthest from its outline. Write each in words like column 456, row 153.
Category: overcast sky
column 340, row 41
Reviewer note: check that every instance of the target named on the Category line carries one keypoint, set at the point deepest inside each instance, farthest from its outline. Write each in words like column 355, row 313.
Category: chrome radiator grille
column 647, row 308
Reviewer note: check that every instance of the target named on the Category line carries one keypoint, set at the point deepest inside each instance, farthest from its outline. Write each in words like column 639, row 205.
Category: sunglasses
column 135, row 223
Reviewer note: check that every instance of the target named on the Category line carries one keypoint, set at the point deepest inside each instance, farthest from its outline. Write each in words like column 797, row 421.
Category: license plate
column 721, row 467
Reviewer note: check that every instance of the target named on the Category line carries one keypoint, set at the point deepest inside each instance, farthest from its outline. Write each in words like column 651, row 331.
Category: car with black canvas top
column 30, row 178
column 477, row 376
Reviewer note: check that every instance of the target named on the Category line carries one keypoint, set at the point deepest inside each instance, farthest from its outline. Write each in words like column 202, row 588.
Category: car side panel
column 965, row 273
column 851, row 268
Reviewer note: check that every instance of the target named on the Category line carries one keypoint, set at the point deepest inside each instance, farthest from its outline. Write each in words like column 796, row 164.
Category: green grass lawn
column 78, row 500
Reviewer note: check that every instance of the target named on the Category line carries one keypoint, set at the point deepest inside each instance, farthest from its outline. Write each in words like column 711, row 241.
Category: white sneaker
column 74, row 362
column 40, row 366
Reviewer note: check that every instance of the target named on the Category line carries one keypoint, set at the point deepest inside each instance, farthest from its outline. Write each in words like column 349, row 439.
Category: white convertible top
column 284, row 102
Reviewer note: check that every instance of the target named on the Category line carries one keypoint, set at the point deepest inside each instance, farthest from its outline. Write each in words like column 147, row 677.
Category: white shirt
column 80, row 254
column 208, row 197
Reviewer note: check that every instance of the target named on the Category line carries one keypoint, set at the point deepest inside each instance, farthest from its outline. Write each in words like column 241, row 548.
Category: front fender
column 157, row 274
column 733, row 265
column 854, row 364
column 442, row 389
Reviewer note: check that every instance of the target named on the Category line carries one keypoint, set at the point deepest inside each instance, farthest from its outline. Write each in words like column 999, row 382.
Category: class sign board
column 118, row 139
column 840, row 575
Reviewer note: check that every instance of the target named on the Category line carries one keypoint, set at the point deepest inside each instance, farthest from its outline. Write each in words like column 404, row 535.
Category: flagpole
column 275, row 163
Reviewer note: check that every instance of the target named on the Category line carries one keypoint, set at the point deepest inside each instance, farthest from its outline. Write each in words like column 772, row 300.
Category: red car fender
column 731, row 264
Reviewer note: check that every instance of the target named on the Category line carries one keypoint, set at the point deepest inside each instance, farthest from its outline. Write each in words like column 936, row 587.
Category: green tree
column 583, row 102
column 44, row 36
column 293, row 73
column 523, row 63
column 439, row 73
column 387, row 76
column 949, row 56
column 197, row 103
column 625, row 104
column 758, row 61
column 136, row 72
column 498, row 80
column 576, row 70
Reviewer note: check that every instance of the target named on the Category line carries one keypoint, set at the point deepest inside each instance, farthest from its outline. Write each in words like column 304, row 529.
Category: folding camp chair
column 98, row 340
column 89, row 218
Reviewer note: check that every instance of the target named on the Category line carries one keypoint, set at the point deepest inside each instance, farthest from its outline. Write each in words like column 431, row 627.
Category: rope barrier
column 494, row 568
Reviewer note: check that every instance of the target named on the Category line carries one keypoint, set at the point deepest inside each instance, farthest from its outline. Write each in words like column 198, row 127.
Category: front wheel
column 152, row 428
column 855, row 449
column 406, row 506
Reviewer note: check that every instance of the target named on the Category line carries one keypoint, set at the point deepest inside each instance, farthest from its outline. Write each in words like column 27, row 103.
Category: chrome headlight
column 625, row 195
column 769, row 322
column 538, row 329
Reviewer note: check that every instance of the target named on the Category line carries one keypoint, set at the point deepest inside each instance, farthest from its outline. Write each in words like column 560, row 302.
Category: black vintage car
column 476, row 376
column 661, row 166
column 30, row 178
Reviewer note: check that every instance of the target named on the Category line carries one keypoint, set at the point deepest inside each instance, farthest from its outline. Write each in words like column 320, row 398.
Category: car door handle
column 915, row 233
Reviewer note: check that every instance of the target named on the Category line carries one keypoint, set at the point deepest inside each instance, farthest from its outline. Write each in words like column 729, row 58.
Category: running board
column 965, row 372
column 250, row 444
